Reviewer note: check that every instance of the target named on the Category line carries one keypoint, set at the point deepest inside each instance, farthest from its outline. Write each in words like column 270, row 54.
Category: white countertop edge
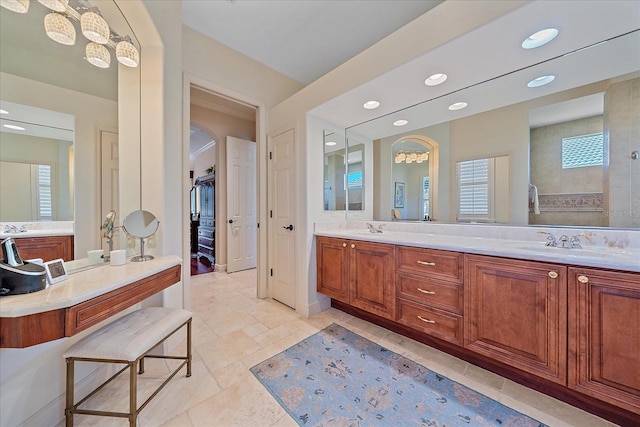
column 491, row 246
column 37, row 233
column 83, row 286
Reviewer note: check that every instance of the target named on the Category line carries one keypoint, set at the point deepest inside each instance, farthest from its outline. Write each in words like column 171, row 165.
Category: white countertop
column 36, row 233
column 38, row 229
column 626, row 259
column 82, row 285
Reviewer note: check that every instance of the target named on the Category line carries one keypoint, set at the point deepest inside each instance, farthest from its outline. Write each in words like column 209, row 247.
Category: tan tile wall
column 622, row 136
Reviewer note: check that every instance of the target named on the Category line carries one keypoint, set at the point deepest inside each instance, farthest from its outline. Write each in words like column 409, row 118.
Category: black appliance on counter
column 17, row 276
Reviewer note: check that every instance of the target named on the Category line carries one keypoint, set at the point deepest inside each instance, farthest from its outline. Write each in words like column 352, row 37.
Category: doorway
column 219, row 117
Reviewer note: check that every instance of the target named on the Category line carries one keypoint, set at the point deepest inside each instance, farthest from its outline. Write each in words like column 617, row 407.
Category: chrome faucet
column 551, row 240
column 372, row 229
column 574, row 242
column 563, row 242
column 11, row 229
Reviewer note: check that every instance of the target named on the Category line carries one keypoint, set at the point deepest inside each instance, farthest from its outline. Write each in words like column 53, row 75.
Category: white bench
column 127, row 340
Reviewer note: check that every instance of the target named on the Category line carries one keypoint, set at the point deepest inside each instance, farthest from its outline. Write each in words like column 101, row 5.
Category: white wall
column 451, row 19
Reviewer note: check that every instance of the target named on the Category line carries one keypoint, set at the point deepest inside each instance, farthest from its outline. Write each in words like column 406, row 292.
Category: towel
column 533, row 199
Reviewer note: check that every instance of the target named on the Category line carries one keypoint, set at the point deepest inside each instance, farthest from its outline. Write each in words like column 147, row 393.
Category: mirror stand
column 107, row 258
column 142, row 256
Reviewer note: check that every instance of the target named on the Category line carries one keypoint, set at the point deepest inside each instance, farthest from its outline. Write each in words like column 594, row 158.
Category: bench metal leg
column 69, row 406
column 189, row 348
column 133, row 398
column 141, row 370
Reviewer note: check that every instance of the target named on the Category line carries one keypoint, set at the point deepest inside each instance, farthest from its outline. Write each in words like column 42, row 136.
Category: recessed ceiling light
column 370, row 105
column 14, row 127
column 457, row 106
column 330, row 143
column 541, row 81
column 539, row 38
column 4, row 112
column 400, row 122
column 435, row 79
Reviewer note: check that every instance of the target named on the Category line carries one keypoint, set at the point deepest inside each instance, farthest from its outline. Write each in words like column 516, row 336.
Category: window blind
column 45, row 201
column 474, row 189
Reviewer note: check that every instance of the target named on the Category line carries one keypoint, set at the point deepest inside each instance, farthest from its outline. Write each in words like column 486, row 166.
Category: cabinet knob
column 344, row 245
column 583, row 279
column 553, row 274
column 426, row 263
column 426, row 320
column 426, row 292
column 353, row 246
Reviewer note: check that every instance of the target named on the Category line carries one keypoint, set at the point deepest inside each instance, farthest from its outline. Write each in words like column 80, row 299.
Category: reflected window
column 583, row 150
column 425, row 198
column 44, row 191
column 475, row 187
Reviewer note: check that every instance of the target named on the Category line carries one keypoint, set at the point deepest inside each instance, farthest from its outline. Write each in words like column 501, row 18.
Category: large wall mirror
column 594, row 99
column 76, row 110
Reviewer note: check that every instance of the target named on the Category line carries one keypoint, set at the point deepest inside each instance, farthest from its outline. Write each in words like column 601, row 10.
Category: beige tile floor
column 233, row 330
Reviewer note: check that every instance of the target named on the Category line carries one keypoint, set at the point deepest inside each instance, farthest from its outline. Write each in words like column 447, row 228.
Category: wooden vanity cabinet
column 516, row 313
column 357, row 273
column 429, row 292
column 47, row 247
column 332, row 256
column 604, row 336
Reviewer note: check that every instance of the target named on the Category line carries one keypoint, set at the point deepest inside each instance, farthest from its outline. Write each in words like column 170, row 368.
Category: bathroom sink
column 541, row 248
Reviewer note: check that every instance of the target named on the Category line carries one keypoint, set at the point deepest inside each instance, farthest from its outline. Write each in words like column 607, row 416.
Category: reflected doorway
column 412, row 179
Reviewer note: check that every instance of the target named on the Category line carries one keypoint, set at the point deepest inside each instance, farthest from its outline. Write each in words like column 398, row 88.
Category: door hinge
column 258, row 225
column 270, row 214
column 270, row 155
column 271, row 272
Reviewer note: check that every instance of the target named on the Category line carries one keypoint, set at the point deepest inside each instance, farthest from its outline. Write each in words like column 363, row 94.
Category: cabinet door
column 516, row 312
column 604, row 336
column 48, row 248
column 371, row 277
column 332, row 256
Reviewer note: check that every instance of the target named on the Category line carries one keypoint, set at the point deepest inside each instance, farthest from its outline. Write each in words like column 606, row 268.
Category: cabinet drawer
column 438, row 323
column 445, row 295
column 205, row 232
column 207, row 222
column 205, row 241
column 206, row 250
column 428, row 262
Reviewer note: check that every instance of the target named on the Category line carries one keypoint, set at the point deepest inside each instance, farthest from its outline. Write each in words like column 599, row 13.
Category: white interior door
column 282, row 254
column 110, row 189
column 241, row 205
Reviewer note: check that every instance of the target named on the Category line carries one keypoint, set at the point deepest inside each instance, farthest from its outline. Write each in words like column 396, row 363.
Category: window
column 425, row 197
column 583, row 150
column 354, row 180
column 44, row 191
column 475, row 189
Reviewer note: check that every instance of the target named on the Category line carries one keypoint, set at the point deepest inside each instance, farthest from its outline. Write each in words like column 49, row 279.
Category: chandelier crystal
column 98, row 55
column 19, row 6
column 59, row 28
column 127, row 54
column 94, row 27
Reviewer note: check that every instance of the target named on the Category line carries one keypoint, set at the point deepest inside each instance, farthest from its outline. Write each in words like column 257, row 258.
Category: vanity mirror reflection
column 496, row 124
column 100, row 104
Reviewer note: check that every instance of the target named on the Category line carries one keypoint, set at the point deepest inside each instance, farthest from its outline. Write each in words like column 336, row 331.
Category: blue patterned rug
column 338, row 378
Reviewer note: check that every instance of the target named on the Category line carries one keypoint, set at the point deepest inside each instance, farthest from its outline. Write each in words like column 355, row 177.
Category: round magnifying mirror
column 141, row 224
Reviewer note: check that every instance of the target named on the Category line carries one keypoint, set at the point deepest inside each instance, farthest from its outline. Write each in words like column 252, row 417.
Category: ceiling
column 306, row 39
column 301, row 39
column 494, row 50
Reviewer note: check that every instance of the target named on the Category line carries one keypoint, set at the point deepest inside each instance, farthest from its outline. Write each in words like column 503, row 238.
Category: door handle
column 230, row 221
column 290, row 227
